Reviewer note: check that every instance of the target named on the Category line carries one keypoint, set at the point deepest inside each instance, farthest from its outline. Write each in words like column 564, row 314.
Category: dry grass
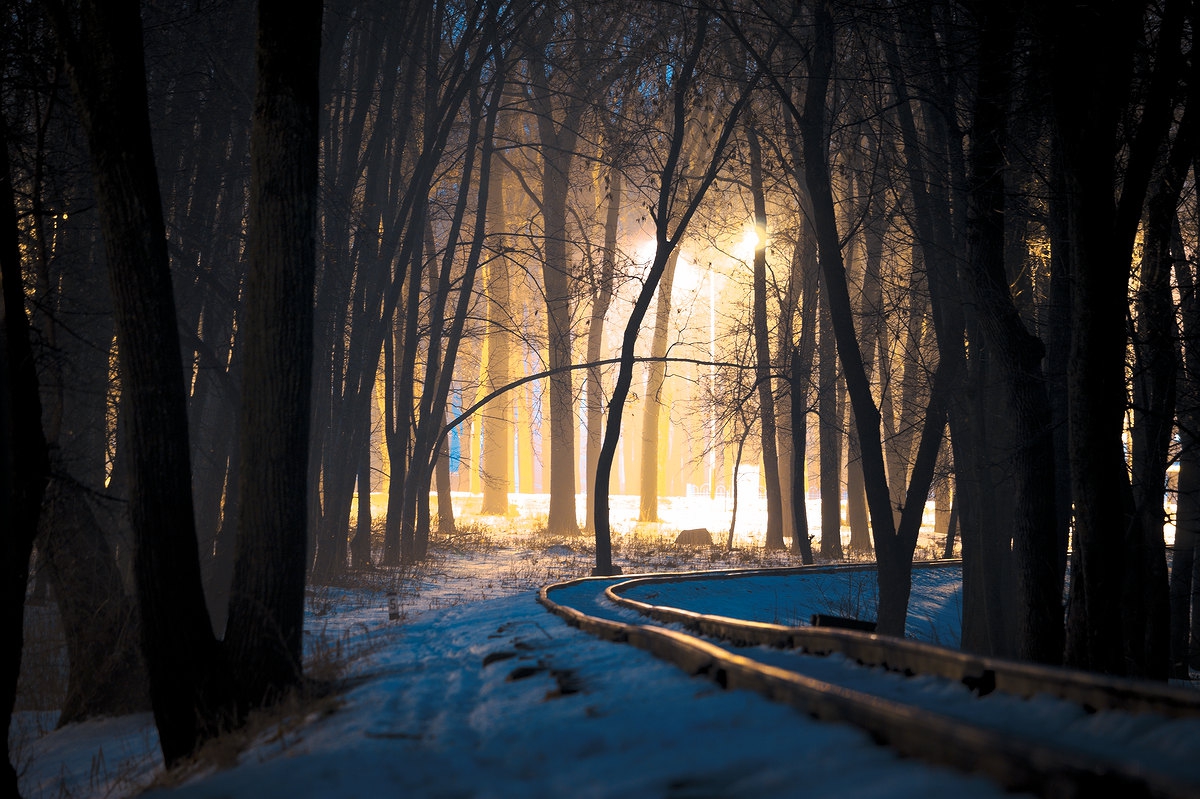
column 276, row 729
column 853, row 597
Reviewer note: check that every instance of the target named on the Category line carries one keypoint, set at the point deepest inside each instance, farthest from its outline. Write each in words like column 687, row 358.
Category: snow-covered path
column 500, row 698
column 480, row 692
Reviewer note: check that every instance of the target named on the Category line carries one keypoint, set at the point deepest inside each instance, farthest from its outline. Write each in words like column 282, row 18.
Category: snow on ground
column 934, row 615
column 478, row 691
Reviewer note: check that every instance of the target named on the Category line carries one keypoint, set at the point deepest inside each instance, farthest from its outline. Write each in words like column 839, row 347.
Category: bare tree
column 675, row 205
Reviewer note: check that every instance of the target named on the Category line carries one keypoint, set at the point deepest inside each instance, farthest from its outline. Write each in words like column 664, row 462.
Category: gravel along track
column 1053, row 732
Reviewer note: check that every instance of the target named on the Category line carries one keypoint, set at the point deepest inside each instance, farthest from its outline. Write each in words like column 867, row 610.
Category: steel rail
column 1049, row 770
column 980, row 673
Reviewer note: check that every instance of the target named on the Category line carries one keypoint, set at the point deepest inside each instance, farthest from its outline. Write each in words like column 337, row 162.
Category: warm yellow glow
column 688, row 278
column 752, row 239
column 643, row 253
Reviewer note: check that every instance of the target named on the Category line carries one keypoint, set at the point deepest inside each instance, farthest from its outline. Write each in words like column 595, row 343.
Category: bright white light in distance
column 643, row 253
column 751, row 239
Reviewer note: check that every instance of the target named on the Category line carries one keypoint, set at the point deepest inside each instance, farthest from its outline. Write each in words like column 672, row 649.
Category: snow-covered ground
column 478, row 691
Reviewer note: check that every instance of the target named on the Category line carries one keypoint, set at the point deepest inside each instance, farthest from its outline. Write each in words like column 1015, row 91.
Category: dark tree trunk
column 1058, row 351
column 106, row 676
column 24, row 462
column 439, row 369
column 856, row 495
column 829, row 433
column 360, row 545
column 1090, row 99
column 805, row 271
column 441, row 476
column 1155, row 346
column 1038, row 614
column 893, row 546
column 400, row 400
column 188, row 676
column 266, row 613
column 762, row 351
column 1182, row 590
column 801, row 544
column 665, row 242
column 802, row 366
column 1184, row 599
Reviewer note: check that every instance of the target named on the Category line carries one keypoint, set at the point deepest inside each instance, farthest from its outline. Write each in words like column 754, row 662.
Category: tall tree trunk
column 445, row 505
column 1038, row 616
column 602, row 299
column 1090, row 98
column 1184, row 599
column 652, row 402
column 1154, row 407
column 939, row 221
column 400, row 405
column 266, row 612
column 188, row 675
column 806, row 273
column 360, row 544
column 1182, row 590
column 893, row 546
column 856, row 494
column 561, row 517
column 762, row 350
column 439, row 368
column 829, row 431
column 24, row 461
column 497, row 419
column 665, row 242
column 801, row 544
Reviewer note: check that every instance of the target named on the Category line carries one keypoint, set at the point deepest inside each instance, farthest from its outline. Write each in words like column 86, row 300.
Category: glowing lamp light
column 752, row 239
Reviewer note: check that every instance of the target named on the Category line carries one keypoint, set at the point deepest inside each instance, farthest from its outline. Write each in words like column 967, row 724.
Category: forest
column 260, row 260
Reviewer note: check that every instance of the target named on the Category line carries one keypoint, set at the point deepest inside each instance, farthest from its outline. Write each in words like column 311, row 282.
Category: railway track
column 1047, row 731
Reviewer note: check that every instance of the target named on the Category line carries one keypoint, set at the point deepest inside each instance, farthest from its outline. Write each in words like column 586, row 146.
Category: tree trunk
column 601, row 301
column 439, row 367
column 24, row 461
column 360, row 544
column 856, row 495
column 266, row 612
column 400, row 398
column 801, row 544
column 106, row 676
column 665, row 242
column 1147, row 603
column 445, row 505
column 561, row 517
column 893, row 547
column 497, row 419
column 1090, row 99
column 1187, row 521
column 1038, row 616
column 1185, row 603
column 652, row 399
column 805, row 271
column 762, row 351
column 829, row 430
column 188, row 676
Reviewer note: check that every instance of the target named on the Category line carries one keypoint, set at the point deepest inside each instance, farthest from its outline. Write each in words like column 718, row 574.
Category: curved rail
column 980, row 673
column 1057, row 770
